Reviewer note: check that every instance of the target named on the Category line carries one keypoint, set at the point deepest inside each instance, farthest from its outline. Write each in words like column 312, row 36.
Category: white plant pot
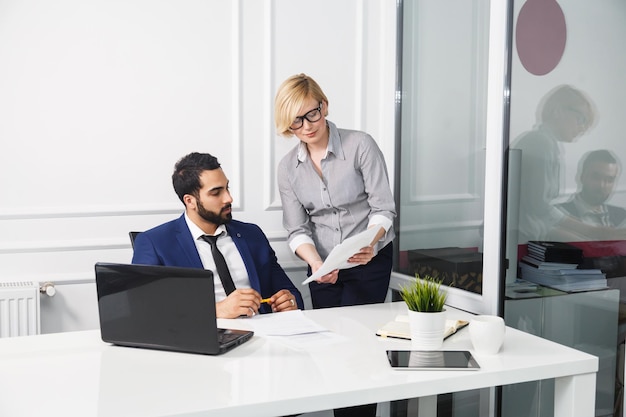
column 427, row 329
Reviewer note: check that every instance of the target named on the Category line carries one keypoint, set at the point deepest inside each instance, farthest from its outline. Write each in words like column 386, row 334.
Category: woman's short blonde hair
column 567, row 97
column 291, row 95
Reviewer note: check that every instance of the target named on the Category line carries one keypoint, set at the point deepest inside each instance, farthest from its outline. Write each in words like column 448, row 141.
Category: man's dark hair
column 601, row 155
column 187, row 171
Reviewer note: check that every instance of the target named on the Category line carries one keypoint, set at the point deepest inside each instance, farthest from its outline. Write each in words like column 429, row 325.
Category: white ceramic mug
column 487, row 334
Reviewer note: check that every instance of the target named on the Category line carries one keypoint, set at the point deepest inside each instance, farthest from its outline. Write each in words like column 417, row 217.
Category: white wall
column 98, row 99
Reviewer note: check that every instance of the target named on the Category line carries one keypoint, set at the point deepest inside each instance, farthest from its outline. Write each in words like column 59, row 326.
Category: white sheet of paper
column 309, row 341
column 338, row 257
column 285, row 323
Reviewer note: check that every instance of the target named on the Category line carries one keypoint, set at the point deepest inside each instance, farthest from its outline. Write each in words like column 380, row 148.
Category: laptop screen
column 157, row 307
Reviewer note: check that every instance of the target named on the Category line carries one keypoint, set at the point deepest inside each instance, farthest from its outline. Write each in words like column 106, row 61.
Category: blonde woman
column 333, row 185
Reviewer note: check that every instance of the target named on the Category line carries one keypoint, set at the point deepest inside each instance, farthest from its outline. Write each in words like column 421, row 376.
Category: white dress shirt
column 232, row 256
column 352, row 194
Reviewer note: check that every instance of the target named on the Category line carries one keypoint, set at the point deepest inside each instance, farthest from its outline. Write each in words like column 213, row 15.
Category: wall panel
column 100, row 98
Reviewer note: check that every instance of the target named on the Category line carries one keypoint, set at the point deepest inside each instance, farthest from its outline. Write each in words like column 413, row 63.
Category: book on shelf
column 590, row 286
column 399, row 328
column 547, row 265
column 549, row 251
column 552, row 246
column 559, row 270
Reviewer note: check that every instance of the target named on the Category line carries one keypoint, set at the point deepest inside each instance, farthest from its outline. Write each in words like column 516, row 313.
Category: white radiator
column 19, row 309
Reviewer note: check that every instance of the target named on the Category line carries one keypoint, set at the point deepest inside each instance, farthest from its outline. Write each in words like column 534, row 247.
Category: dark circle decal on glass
column 540, row 35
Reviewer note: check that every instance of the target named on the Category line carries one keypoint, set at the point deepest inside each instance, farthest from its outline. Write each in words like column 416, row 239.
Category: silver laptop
column 161, row 307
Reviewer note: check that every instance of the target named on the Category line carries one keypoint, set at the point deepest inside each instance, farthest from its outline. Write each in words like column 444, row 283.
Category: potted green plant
column 424, row 294
column 425, row 300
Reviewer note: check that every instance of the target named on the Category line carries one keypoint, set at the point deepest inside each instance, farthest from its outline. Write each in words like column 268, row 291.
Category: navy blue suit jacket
column 171, row 244
column 617, row 215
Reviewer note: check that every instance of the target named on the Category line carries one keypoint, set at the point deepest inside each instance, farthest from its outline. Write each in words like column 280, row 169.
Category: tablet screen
column 432, row 359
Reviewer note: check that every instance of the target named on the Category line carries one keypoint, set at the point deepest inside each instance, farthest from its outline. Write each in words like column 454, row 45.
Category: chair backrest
column 133, row 235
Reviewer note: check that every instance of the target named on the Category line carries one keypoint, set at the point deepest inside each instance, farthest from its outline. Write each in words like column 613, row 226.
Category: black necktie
column 220, row 264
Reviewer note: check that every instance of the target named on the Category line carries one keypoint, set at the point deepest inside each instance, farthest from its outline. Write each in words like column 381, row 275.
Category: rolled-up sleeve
column 376, row 181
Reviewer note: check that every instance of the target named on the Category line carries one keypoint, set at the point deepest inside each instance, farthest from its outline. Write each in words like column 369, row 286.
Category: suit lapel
column 244, row 250
column 188, row 246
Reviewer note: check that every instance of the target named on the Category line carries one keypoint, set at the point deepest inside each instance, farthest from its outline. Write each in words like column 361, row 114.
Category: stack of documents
column 338, row 257
column 556, row 265
column 566, row 279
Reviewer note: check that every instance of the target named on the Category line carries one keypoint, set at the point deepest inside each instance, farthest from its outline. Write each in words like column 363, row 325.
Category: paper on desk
column 311, row 340
column 338, row 257
column 285, row 323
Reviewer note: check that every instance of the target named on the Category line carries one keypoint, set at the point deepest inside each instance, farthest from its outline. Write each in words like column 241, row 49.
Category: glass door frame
column 491, row 300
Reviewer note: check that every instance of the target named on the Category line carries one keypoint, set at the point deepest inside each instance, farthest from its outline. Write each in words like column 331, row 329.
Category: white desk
column 76, row 374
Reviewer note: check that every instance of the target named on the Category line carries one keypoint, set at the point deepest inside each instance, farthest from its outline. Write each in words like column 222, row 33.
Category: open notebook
column 399, row 328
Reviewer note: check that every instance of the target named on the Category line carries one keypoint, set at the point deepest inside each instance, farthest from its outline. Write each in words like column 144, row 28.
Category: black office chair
column 133, row 235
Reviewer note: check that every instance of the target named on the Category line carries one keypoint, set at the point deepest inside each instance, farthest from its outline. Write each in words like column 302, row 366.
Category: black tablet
column 432, row 360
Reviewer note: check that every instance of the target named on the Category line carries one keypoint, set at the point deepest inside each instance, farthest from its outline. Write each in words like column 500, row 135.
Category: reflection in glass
column 426, row 359
column 569, row 189
column 565, row 114
column 598, row 174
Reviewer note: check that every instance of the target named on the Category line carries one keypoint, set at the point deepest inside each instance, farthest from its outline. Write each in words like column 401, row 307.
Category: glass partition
column 449, row 182
column 563, row 183
column 446, row 100
column 568, row 193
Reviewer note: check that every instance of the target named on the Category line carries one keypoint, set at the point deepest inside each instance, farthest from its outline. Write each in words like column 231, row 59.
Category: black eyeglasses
column 312, row 116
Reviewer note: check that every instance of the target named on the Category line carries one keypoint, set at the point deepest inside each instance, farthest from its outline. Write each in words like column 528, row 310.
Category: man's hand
column 283, row 300
column 241, row 302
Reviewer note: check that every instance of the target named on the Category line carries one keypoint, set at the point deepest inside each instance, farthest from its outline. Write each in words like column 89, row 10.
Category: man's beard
column 212, row 217
column 595, row 198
